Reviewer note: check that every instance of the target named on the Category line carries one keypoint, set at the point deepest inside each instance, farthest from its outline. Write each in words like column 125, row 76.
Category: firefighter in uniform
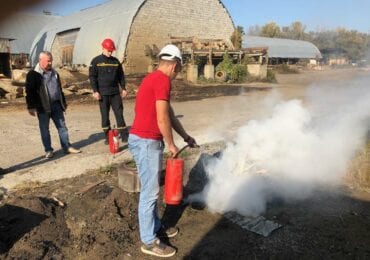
column 107, row 80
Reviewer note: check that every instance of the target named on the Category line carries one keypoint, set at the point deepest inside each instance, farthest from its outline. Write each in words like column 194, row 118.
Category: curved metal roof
column 283, row 48
column 22, row 27
column 109, row 20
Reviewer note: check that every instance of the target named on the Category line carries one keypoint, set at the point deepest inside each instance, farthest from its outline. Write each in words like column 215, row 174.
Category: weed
column 286, row 69
column 107, row 170
column 270, row 77
column 237, row 73
column 131, row 164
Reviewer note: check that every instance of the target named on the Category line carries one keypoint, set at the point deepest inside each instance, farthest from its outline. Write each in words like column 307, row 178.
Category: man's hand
column 173, row 150
column 96, row 95
column 32, row 112
column 124, row 93
column 190, row 141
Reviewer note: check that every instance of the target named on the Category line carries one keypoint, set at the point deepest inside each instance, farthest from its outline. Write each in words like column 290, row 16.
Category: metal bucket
column 128, row 178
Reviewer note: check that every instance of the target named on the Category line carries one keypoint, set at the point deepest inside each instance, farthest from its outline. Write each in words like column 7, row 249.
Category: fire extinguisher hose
column 178, row 153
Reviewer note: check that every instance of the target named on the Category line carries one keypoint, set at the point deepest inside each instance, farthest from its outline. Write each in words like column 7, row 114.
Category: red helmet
column 108, row 44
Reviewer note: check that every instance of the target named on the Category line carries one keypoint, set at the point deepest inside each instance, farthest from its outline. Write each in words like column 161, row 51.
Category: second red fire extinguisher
column 113, row 141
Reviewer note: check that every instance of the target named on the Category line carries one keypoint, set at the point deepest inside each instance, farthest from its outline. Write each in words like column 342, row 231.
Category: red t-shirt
column 155, row 86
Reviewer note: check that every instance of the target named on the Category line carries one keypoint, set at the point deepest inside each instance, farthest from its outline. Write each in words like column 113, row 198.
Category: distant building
column 22, row 29
column 5, row 68
column 138, row 27
column 334, row 56
column 284, row 50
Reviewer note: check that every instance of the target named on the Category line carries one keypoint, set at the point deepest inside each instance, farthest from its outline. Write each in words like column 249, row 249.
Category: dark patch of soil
column 101, row 223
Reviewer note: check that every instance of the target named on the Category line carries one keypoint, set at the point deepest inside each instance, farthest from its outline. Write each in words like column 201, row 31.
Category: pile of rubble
column 73, row 83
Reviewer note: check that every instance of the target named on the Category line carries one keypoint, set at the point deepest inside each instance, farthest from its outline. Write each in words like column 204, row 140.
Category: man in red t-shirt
column 153, row 123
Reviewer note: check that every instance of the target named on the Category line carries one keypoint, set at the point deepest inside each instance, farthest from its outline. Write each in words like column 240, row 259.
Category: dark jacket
column 37, row 95
column 106, row 74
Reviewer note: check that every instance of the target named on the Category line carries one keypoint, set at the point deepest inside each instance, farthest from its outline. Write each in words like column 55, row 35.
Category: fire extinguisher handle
column 182, row 149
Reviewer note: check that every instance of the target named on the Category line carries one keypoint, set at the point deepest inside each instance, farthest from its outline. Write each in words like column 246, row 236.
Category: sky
column 316, row 15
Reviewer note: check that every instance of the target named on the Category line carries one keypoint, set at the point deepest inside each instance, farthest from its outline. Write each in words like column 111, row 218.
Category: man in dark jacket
column 106, row 77
column 46, row 99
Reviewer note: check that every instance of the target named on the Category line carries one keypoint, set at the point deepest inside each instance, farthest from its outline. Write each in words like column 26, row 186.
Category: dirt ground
column 101, row 222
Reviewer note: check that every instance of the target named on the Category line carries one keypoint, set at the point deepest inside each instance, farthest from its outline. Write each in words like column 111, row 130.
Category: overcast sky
column 314, row 14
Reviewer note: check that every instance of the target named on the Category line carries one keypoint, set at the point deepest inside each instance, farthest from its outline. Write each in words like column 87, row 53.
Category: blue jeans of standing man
column 148, row 156
column 57, row 115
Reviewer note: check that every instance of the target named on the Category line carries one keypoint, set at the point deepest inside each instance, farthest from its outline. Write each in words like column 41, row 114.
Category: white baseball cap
column 170, row 52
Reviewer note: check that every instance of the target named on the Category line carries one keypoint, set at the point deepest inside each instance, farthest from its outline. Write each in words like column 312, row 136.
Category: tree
column 353, row 42
column 237, row 37
column 254, row 30
column 297, row 31
column 323, row 39
column 271, row 30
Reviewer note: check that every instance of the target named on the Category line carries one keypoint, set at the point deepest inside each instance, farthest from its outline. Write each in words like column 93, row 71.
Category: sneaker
column 157, row 248
column 49, row 154
column 72, row 150
column 169, row 232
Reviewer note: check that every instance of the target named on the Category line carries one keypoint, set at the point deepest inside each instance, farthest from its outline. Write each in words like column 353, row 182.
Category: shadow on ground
column 57, row 155
column 15, row 223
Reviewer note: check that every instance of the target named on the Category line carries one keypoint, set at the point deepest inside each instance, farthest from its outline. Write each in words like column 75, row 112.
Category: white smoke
column 289, row 152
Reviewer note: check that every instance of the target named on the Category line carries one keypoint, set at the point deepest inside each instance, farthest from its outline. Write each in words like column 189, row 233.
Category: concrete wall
column 158, row 20
column 257, row 70
column 337, row 61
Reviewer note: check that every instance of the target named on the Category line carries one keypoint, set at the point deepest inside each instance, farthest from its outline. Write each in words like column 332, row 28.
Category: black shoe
column 124, row 136
column 167, row 232
column 106, row 136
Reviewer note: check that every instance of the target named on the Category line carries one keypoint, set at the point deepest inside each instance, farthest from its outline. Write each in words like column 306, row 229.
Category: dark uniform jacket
column 37, row 95
column 106, row 74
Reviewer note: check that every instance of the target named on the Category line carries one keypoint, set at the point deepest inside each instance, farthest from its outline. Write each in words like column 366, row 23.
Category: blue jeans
column 148, row 155
column 58, row 118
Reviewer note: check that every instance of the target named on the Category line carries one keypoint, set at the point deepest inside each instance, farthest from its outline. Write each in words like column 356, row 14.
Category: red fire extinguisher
column 113, row 141
column 173, row 179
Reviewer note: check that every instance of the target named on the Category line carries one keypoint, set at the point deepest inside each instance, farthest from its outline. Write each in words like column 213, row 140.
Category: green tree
column 234, row 72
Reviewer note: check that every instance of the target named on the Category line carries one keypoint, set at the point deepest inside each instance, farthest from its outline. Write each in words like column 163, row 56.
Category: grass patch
column 131, row 164
column 108, row 169
column 286, row 69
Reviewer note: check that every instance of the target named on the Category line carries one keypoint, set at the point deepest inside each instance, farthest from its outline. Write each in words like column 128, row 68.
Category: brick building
column 138, row 27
